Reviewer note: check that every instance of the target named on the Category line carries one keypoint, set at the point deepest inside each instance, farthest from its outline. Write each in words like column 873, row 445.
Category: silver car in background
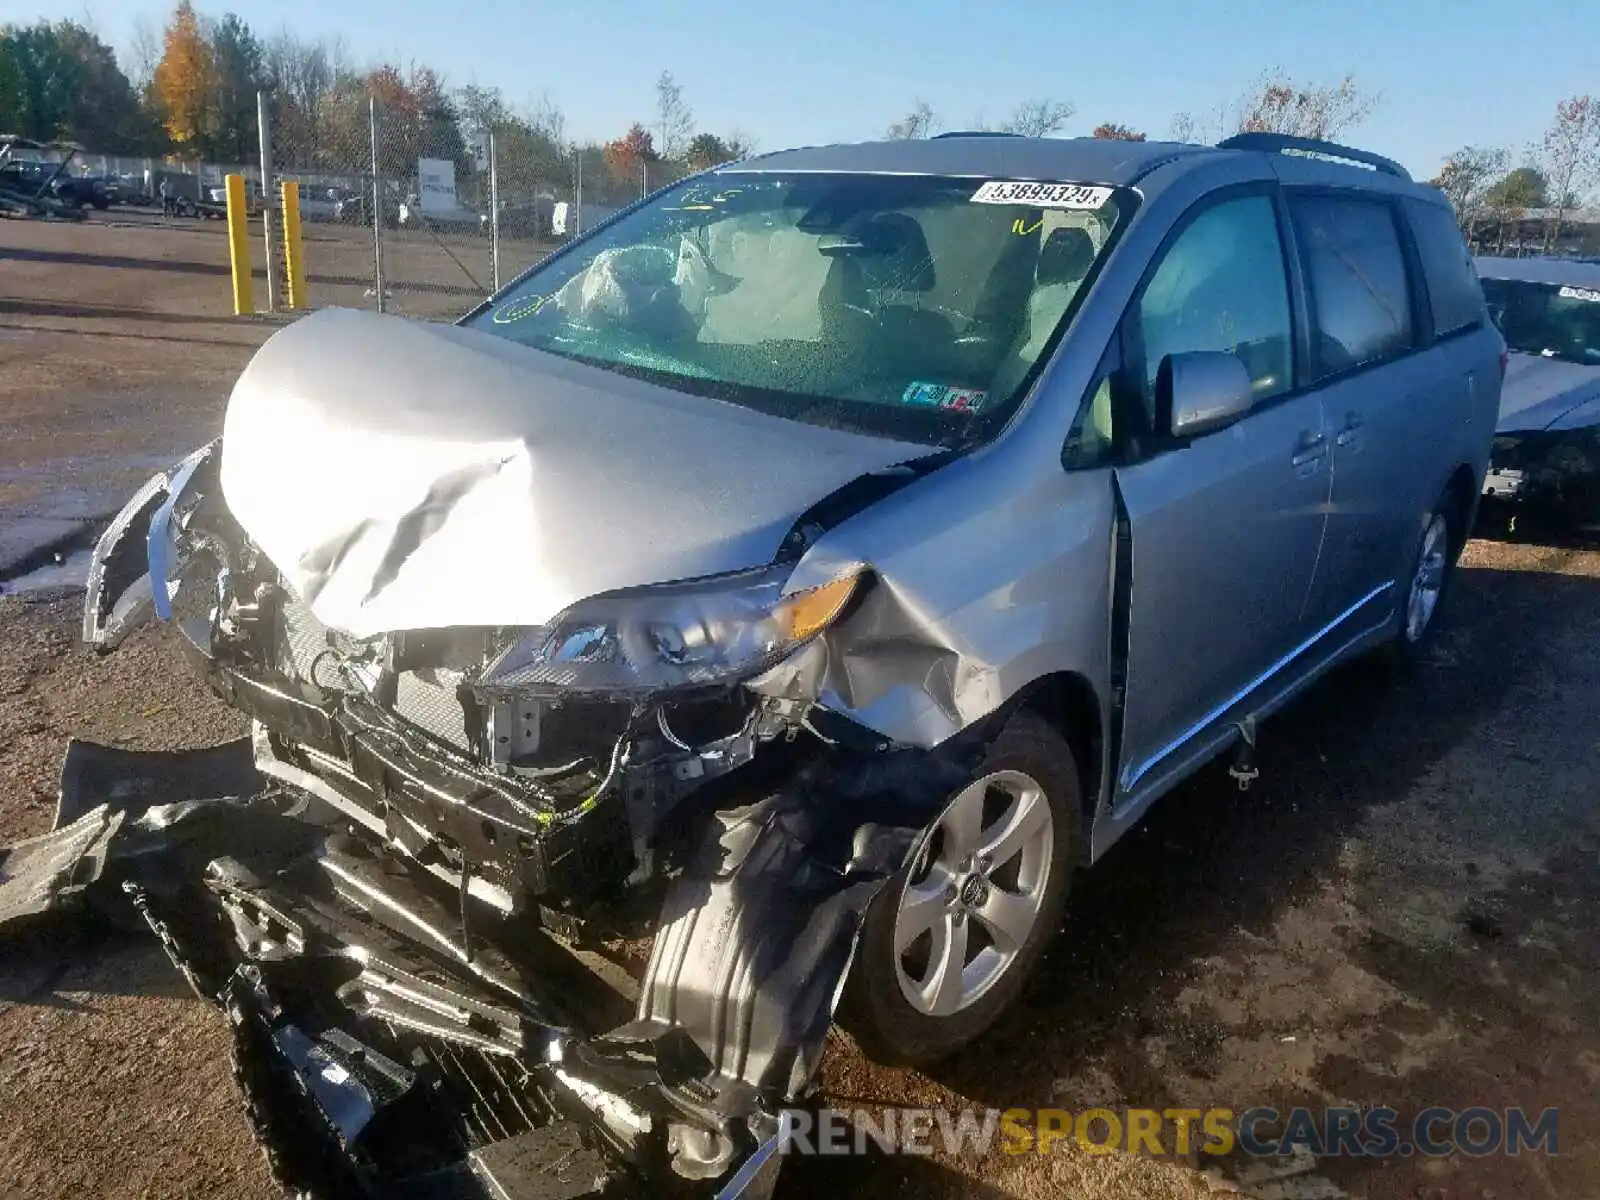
column 1546, row 458
column 809, row 569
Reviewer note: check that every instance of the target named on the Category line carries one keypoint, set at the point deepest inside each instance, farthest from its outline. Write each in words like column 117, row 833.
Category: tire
column 1433, row 563
column 1028, row 757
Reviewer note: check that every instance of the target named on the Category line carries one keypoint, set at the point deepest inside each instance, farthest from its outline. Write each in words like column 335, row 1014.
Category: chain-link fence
column 407, row 210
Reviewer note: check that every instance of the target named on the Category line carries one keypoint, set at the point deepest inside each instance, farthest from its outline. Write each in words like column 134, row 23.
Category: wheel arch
column 1068, row 701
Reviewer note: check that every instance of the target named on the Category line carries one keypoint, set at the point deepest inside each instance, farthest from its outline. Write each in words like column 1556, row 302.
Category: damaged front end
column 422, row 974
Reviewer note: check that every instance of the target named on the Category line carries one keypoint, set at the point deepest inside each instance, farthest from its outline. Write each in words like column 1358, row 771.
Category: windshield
column 1553, row 320
column 907, row 306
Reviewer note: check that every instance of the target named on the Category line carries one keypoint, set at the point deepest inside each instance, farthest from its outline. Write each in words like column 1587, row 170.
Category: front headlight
column 670, row 636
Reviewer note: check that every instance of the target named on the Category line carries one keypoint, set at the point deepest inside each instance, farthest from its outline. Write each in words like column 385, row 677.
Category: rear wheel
column 950, row 941
column 1428, row 585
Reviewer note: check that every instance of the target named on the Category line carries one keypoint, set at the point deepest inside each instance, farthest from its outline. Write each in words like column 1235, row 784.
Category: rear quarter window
column 1454, row 295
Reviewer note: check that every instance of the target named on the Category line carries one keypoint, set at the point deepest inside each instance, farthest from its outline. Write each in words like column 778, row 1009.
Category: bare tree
column 1183, row 128
column 674, row 121
column 1570, row 158
column 1277, row 104
column 1466, row 178
column 144, row 52
column 546, row 118
column 741, row 143
column 918, row 123
column 307, row 76
column 1039, row 118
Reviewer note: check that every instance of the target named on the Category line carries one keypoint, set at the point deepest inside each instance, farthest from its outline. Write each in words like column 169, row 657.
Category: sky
column 1449, row 72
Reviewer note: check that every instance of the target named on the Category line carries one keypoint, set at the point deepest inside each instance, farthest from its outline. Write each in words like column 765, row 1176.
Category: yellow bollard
column 293, row 253
column 239, row 247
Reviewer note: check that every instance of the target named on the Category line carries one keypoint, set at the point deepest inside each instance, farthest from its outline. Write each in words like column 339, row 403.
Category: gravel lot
column 1405, row 910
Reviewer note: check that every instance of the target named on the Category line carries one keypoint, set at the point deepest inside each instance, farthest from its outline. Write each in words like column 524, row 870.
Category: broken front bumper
column 404, row 1018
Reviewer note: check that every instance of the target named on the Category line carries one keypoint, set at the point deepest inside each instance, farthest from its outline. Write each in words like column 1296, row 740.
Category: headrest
column 897, row 256
column 1066, row 258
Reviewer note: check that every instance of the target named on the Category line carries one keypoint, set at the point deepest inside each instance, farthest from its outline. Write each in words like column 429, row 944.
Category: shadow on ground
column 1211, row 868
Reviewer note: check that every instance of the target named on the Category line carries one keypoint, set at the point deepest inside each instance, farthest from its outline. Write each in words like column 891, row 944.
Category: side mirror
column 1202, row 391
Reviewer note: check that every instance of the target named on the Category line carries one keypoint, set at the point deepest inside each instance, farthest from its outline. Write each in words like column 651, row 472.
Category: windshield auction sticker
column 1577, row 293
column 1042, row 195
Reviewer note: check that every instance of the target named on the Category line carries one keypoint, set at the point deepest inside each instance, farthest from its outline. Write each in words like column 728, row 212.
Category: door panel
column 1378, row 392
column 1225, row 536
column 1225, row 529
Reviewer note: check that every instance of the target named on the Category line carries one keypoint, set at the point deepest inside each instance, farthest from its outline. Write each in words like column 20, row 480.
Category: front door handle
column 1351, row 430
column 1310, row 447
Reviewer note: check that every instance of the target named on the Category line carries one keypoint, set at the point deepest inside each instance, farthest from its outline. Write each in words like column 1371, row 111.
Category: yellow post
column 239, row 247
column 293, row 254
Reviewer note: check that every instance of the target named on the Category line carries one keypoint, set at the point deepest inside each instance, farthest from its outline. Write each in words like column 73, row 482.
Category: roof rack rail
column 1278, row 143
column 974, row 133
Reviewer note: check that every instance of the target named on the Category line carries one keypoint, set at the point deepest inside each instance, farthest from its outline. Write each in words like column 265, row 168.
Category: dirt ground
column 1404, row 911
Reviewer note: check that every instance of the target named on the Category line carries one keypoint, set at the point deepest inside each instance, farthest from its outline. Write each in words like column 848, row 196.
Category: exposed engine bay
column 403, row 922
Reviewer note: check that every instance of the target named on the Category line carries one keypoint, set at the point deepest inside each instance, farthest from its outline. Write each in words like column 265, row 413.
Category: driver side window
column 1221, row 285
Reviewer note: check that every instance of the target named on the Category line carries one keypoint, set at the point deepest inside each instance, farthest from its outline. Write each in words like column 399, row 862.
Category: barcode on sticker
column 1042, row 195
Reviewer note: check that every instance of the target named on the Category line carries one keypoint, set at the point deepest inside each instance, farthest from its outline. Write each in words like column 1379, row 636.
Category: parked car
column 320, row 204
column 831, row 557
column 1546, row 456
column 253, row 200
column 77, row 191
column 412, row 216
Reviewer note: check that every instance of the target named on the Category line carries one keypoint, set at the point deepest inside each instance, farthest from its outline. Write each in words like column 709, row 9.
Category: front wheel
column 951, row 940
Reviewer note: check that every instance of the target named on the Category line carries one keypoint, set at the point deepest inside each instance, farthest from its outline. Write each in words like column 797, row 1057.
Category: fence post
column 494, row 213
column 265, row 125
column 377, row 205
column 575, row 226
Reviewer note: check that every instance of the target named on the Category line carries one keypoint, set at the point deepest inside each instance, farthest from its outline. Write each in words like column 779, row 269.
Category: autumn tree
column 185, row 80
column 1117, row 133
column 1038, row 118
column 628, row 158
column 920, row 122
column 1570, row 158
column 674, row 121
column 1278, row 104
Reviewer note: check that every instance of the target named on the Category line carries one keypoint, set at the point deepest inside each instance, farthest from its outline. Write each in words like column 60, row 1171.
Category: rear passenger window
column 1454, row 294
column 1360, row 296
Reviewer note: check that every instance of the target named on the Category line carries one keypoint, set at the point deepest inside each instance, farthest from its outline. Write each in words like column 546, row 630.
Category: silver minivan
column 802, row 574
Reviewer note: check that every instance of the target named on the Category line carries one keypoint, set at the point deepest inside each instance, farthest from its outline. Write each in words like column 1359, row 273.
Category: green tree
column 236, row 56
column 13, row 91
column 60, row 81
column 1522, row 188
column 707, row 150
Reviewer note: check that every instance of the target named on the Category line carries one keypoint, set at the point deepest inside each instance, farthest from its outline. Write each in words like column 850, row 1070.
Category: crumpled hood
column 404, row 475
column 1539, row 391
